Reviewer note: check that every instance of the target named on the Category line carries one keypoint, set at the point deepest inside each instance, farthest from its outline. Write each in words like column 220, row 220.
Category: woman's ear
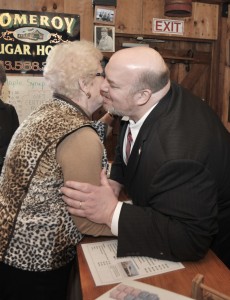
column 83, row 86
column 143, row 96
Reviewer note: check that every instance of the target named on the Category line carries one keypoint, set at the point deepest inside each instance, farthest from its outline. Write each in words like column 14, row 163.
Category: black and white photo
column 104, row 38
column 104, row 15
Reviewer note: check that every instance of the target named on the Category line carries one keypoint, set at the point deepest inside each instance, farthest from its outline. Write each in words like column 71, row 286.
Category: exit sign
column 166, row 26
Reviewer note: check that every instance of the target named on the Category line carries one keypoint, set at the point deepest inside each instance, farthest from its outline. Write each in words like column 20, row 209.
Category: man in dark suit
column 8, row 120
column 178, row 172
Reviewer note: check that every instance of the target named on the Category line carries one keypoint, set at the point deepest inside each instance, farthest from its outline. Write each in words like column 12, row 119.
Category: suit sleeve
column 179, row 219
column 80, row 156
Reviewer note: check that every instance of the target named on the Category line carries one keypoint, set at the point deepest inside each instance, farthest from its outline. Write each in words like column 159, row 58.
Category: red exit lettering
column 168, row 26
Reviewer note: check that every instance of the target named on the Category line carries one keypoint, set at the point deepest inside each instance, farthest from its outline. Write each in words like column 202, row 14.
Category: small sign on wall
column 167, row 26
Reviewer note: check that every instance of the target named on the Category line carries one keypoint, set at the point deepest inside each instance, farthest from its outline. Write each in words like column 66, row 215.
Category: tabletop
column 216, row 275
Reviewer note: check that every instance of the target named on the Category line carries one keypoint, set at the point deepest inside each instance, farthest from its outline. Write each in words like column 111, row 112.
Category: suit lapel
column 146, row 129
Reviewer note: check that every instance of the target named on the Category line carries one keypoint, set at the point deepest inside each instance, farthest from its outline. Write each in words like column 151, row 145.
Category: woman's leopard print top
column 36, row 231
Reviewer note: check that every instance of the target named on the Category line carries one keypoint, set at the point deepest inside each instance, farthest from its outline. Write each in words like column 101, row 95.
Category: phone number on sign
column 23, row 65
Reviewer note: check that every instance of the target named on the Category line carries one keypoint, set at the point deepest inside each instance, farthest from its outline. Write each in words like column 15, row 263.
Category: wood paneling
column 38, row 5
column 129, row 16
column 85, row 9
column 226, row 99
column 203, row 24
column 224, row 83
column 212, row 1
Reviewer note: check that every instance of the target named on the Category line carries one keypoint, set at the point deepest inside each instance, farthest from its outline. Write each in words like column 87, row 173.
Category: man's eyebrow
column 110, row 81
column 110, row 78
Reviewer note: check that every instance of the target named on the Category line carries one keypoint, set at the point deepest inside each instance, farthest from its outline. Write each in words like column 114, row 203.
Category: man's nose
column 104, row 85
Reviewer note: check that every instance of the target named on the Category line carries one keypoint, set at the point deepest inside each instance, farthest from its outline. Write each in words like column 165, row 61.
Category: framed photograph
column 104, row 38
column 105, row 2
column 104, row 15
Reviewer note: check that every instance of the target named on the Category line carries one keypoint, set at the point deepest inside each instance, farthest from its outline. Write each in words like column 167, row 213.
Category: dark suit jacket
column 8, row 124
column 178, row 177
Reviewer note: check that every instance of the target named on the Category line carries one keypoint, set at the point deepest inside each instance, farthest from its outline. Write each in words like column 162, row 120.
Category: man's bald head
column 140, row 57
column 148, row 65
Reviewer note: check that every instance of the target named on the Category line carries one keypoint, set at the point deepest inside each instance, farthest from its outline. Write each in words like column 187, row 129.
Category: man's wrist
column 115, row 218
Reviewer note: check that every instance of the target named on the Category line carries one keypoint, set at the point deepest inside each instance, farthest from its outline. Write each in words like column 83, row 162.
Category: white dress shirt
column 135, row 128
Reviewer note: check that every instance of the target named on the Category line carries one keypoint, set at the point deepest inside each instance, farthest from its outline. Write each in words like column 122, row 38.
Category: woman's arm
column 80, row 157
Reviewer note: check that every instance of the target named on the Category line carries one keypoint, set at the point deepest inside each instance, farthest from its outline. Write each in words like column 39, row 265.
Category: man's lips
column 106, row 99
column 103, row 94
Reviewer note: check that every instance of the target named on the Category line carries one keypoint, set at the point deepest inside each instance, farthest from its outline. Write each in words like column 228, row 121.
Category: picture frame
column 105, row 2
column 104, row 38
column 104, row 15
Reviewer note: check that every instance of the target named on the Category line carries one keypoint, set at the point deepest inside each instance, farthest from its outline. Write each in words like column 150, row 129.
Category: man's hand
column 116, row 186
column 96, row 203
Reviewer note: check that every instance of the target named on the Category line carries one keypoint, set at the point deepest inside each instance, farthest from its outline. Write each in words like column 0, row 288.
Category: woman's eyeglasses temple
column 102, row 74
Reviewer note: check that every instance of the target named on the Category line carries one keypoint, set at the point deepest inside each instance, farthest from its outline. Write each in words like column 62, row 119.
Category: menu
column 107, row 268
column 25, row 93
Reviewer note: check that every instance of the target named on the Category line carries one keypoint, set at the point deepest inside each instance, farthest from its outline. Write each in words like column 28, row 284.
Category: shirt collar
column 139, row 123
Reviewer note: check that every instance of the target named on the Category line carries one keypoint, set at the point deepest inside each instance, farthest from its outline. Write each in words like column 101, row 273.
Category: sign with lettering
column 27, row 37
column 166, row 26
column 26, row 93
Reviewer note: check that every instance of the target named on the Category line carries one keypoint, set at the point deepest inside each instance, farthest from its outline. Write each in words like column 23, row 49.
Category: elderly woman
column 57, row 142
column 8, row 120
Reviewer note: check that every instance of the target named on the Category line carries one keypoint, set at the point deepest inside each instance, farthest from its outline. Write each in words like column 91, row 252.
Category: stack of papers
column 133, row 290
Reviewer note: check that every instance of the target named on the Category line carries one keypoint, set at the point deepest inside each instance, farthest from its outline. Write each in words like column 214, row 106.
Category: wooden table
column 216, row 275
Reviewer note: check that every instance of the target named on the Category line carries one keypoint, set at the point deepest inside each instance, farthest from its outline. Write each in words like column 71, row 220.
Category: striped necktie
column 128, row 144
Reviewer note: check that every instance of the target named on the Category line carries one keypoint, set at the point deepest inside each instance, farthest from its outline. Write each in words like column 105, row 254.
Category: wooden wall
column 224, row 74
column 198, row 60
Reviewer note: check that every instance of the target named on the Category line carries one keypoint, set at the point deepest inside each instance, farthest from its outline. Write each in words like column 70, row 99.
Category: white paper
column 26, row 93
column 106, row 268
column 134, row 288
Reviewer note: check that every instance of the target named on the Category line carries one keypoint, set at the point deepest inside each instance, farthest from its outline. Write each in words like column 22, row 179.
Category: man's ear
column 143, row 96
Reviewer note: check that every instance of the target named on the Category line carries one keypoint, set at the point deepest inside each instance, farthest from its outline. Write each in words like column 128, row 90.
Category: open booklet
column 106, row 268
column 134, row 290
